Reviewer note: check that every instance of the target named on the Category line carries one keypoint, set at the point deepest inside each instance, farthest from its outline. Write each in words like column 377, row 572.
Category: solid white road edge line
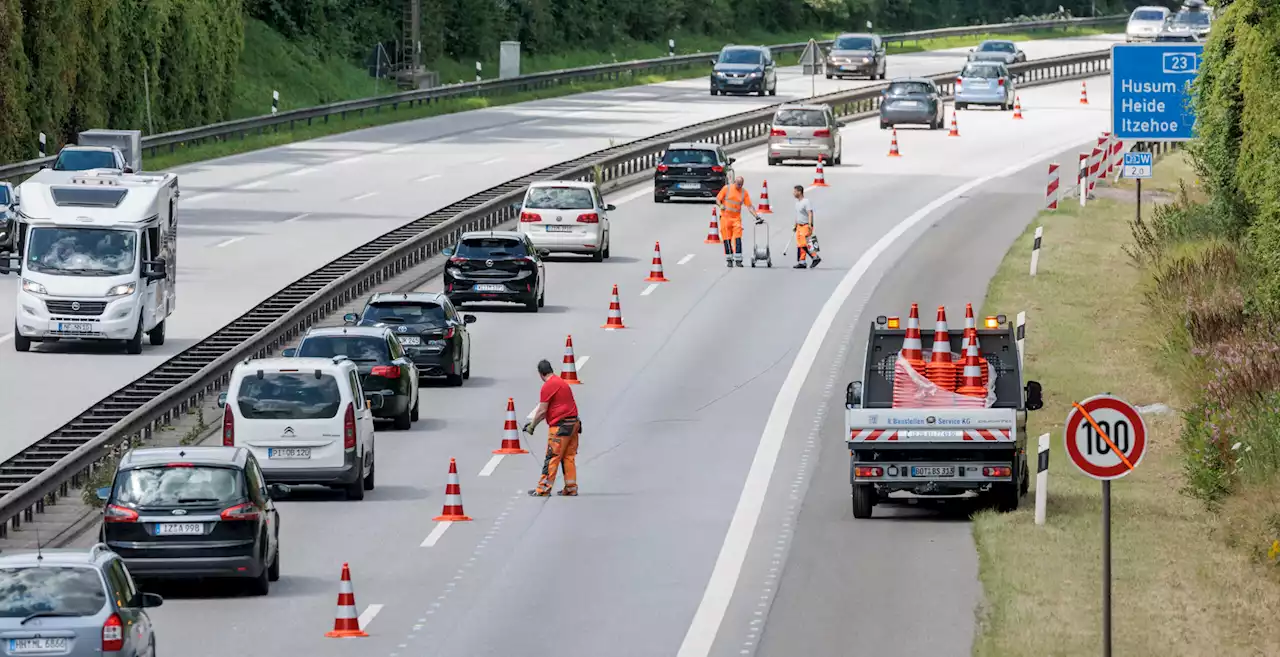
column 441, row 528
column 487, row 470
column 304, row 215
column 639, row 193
column 301, row 172
column 728, row 567
column 256, row 183
column 686, row 259
column 361, row 197
column 229, row 242
column 649, row 290
column 5, row 338
column 493, row 161
column 425, row 178
column 368, row 615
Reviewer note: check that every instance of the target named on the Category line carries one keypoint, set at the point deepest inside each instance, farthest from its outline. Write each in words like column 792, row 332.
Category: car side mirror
column 157, row 269
column 468, row 319
column 127, row 169
column 148, row 600
column 1035, row 397
column 222, row 400
column 278, row 491
column 544, row 253
column 375, row 402
column 289, row 353
column 610, row 208
column 351, row 318
column 103, row 493
column 448, row 251
column 732, row 160
column 714, row 62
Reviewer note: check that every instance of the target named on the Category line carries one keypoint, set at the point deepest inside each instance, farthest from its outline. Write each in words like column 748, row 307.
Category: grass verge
column 271, row 63
column 1179, row 589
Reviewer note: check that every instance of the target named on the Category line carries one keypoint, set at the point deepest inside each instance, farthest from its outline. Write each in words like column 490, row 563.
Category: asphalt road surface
column 252, row 224
column 714, row 515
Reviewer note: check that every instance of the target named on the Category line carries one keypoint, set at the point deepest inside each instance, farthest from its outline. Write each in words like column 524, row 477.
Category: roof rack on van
column 97, row 548
column 339, row 358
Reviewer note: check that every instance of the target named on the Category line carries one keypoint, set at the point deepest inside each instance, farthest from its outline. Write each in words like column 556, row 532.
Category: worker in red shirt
column 563, row 426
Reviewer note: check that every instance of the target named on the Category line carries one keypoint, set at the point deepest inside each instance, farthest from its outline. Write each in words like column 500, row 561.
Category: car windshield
column 800, row 118
column 176, row 486
column 982, row 71
column 54, row 590
column 690, row 156
column 854, row 43
column 82, row 251
column 489, row 247
column 559, row 198
column 406, row 312
column 5, row 199
column 359, row 348
column 1147, row 15
column 904, row 88
column 996, row 46
column 741, row 56
column 289, row 396
column 1191, row 19
column 79, row 160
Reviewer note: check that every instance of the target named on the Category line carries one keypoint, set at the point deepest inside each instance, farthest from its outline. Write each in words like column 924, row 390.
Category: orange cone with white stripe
column 971, row 381
column 1017, row 107
column 820, row 179
column 713, row 232
column 1084, row 93
column 912, row 347
column 971, row 337
column 893, row 145
column 764, row 200
column 955, row 131
column 615, row 312
column 346, row 624
column 511, row 432
column 940, row 370
column 569, row 368
column 452, row 511
column 655, row 269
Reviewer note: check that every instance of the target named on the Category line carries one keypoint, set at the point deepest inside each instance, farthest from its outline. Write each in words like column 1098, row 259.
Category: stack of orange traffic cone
column 615, row 312
column 452, row 511
column 912, row 346
column 655, row 269
column 971, row 381
column 955, row 131
column 1017, row 107
column 713, row 232
column 971, row 337
column 819, row 180
column 511, row 432
column 764, row 200
column 569, row 369
column 1084, row 93
column 346, row 624
column 893, row 145
column 940, row 370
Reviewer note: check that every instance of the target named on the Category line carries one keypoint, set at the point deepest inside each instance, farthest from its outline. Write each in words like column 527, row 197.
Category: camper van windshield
column 84, row 160
column 82, row 251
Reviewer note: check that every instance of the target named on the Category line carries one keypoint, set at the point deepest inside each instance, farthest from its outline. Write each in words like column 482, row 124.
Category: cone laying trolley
column 452, row 511
column 511, row 432
column 655, row 269
column 819, row 178
column 955, row 131
column 346, row 624
column 893, row 145
column 615, row 312
column 569, row 368
column 912, row 346
column 764, row 200
column 713, row 232
column 940, row 370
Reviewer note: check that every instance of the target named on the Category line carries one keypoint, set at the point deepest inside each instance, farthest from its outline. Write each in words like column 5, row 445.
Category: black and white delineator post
column 1082, row 178
column 671, row 47
column 1042, row 478
column 1035, row 249
column 44, row 148
column 1020, row 337
column 275, row 101
column 479, row 70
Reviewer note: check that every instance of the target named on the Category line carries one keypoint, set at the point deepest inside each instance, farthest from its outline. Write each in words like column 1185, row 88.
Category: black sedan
column 694, row 170
column 496, row 265
column 434, row 335
column 385, row 368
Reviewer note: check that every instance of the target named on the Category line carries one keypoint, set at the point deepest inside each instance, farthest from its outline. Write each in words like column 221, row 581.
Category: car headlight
column 753, row 74
column 122, row 290
column 33, row 287
column 866, row 60
column 455, row 272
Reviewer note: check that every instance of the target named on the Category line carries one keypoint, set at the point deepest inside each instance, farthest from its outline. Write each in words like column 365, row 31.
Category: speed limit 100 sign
column 1106, row 437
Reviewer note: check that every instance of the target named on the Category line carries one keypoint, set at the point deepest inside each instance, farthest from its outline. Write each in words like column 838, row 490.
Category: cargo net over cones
column 937, row 377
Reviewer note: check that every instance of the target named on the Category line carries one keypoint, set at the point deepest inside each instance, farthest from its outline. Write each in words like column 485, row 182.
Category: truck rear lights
column 997, row 471
column 893, row 322
column 868, row 471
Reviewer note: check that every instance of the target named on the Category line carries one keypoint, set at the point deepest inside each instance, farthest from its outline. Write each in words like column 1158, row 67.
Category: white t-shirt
column 803, row 207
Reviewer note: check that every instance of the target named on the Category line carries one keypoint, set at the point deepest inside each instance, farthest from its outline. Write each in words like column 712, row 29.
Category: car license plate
column 74, row 327
column 909, row 103
column 410, row 340
column 559, row 229
column 934, row 471
column 37, row 646
column 848, row 68
column 289, row 452
column 179, row 529
column 490, row 288
column 736, row 80
column 436, row 343
column 797, row 141
column 689, row 186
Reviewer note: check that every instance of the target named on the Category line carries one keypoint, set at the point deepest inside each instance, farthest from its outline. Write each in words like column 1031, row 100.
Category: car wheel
column 884, row 126
column 773, row 162
column 542, row 303
column 774, row 90
column 598, row 256
column 863, row 500
column 156, row 335
column 20, row 343
column 134, row 345
column 355, row 489
column 404, row 421
column 829, row 76
column 261, row 585
column 370, row 479
column 607, row 243
column 466, row 373
column 413, row 415
column 273, row 573
column 961, row 106
column 658, row 198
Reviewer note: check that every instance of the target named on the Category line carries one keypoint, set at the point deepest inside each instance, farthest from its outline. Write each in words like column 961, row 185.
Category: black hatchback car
column 434, row 334
column 496, row 265
column 186, row 512
column 385, row 367
column 691, row 170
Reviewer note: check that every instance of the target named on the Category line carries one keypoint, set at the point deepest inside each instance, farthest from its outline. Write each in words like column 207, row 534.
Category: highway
column 253, row 223
column 714, row 516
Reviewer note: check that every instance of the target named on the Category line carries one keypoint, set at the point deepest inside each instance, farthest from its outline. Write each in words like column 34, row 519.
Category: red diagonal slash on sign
column 1104, row 435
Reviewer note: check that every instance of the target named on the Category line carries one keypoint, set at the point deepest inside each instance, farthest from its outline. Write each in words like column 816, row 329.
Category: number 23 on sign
column 1105, row 437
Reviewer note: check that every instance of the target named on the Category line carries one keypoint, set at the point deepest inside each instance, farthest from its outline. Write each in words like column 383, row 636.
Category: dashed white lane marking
column 441, row 528
column 551, row 147
column 350, row 160
column 5, row 338
column 649, row 290
column 301, row 172
column 493, row 161
column 485, row 131
column 368, row 615
column 686, row 259
column 400, row 149
column 488, row 468
column 425, row 178
column 256, row 183
column 639, row 193
column 229, row 242
column 304, row 215
column 203, row 197
column 579, row 363
column 361, row 197
column 728, row 567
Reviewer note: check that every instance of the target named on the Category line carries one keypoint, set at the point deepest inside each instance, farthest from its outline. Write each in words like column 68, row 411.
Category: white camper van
column 97, row 254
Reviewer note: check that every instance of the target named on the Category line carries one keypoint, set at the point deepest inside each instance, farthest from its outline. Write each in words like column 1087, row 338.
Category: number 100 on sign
column 1106, row 429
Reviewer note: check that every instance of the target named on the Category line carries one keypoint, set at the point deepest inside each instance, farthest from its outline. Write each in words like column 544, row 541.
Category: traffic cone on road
column 452, row 511
column 764, row 200
column 615, row 312
column 1017, row 107
column 569, row 369
column 655, row 269
column 912, row 346
column 819, row 179
column 955, row 131
column 511, row 432
column 346, row 624
column 1084, row 93
column 713, row 231
column 971, row 381
column 893, row 145
column 940, row 370
column 970, row 337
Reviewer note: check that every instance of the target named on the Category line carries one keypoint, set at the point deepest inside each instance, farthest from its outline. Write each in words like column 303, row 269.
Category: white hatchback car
column 566, row 216
column 305, row 419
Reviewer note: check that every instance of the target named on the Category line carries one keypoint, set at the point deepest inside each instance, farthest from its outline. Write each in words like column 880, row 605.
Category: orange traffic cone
column 452, row 511
column 971, row 382
column 1084, row 93
column 713, row 231
column 971, row 337
column 511, row 432
column 655, row 269
column 1017, row 107
column 955, row 131
column 819, row 180
column 569, row 369
column 764, row 200
column 912, row 347
column 346, row 624
column 940, row 370
column 893, row 145
column 615, row 312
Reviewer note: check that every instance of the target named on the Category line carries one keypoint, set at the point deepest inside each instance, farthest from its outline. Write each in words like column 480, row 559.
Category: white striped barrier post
column 1108, row 155
column 1051, row 192
column 1035, row 250
column 1020, row 335
column 479, row 70
column 671, row 47
column 1082, row 178
column 1095, row 161
column 43, row 146
column 275, row 101
column 1042, row 479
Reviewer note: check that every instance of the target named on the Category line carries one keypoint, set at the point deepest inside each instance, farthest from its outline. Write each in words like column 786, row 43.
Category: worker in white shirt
column 804, row 229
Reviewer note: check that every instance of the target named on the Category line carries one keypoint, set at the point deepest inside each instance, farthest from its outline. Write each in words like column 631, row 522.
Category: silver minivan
column 804, row 132
column 985, row 83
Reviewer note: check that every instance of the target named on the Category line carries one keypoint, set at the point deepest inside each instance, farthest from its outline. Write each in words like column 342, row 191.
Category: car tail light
column 113, row 634
column 244, row 511
column 448, row 333
column 997, row 471
column 528, row 217
column 869, row 471
column 457, row 260
column 718, row 169
column 116, row 513
column 662, row 168
column 777, row 133
column 589, row 218
column 228, row 427
column 821, row 133
column 1000, row 82
column 959, row 81
column 349, row 428
column 386, row 371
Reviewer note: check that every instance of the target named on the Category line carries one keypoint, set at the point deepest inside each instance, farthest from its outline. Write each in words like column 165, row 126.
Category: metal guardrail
column 62, row 461
column 240, row 128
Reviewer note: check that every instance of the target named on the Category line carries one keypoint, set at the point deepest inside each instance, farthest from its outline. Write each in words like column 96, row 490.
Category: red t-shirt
column 559, row 400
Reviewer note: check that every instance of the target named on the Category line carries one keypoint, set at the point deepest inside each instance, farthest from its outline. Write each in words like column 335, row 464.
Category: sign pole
column 1139, row 195
column 1106, row 568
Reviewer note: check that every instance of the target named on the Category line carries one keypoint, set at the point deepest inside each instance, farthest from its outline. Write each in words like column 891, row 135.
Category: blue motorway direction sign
column 1151, row 90
column 1137, row 164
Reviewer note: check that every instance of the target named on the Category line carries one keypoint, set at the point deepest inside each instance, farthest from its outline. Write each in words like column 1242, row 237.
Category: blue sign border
column 1198, row 48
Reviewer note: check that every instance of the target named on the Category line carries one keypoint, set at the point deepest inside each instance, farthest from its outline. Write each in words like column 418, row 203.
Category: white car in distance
column 566, row 216
column 1145, row 23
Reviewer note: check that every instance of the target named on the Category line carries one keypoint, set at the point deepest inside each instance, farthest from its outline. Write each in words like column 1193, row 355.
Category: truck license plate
column 934, row 471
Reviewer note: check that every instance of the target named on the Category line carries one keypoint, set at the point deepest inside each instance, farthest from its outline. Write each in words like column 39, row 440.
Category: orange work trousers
column 803, row 231
column 730, row 227
column 562, row 451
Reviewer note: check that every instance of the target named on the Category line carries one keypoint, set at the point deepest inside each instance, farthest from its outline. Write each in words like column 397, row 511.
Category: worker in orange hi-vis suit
column 730, row 201
column 557, row 407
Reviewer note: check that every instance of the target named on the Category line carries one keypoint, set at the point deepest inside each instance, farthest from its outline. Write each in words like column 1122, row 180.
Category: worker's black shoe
column 737, row 263
column 815, row 262
column 800, row 265
column 539, row 493
column 728, row 263
column 567, row 493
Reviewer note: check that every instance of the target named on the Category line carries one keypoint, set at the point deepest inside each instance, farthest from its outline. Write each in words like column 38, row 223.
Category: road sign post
column 810, row 61
column 1151, row 90
column 1106, row 438
column 1138, row 165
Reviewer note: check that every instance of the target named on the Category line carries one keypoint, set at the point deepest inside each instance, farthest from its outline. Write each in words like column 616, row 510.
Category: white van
column 305, row 419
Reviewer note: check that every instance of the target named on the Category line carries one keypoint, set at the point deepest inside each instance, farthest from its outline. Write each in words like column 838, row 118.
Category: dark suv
column 496, row 265
column 744, row 70
column 175, row 512
column 434, row 334
column 695, row 170
column 379, row 353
